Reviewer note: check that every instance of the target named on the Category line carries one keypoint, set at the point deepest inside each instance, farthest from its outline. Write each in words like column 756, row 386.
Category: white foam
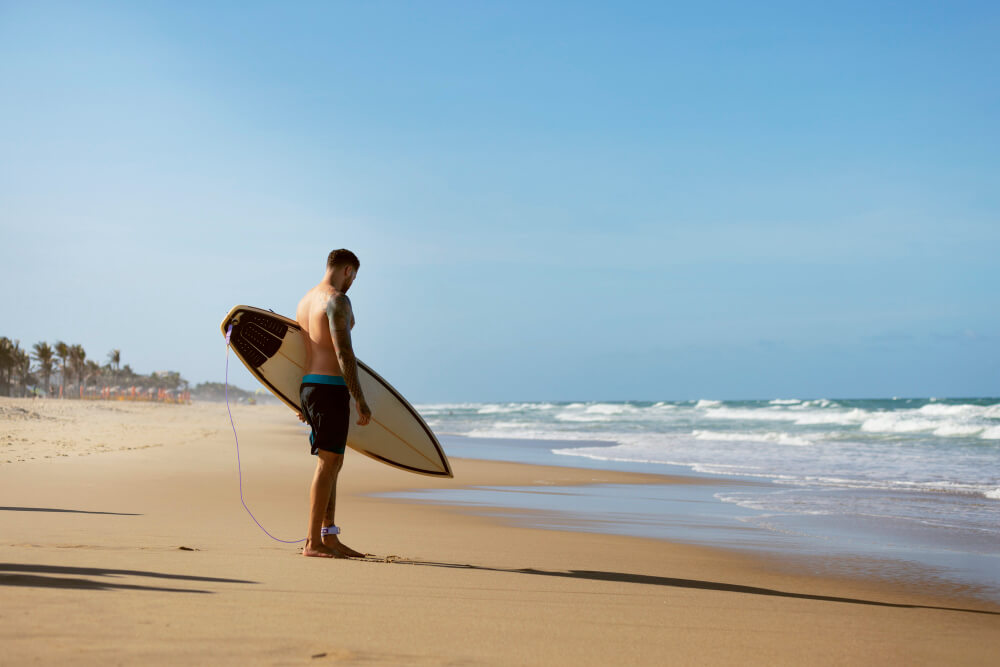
column 956, row 429
column 583, row 417
column 785, row 401
column 508, row 426
column 444, row 407
column 735, row 436
column 792, row 413
column 937, row 486
column 604, row 454
column 750, row 414
column 597, row 412
column 495, row 409
column 611, row 409
column 706, row 403
column 993, row 495
column 583, row 452
column 894, row 423
column 498, row 431
column 941, row 410
column 769, row 502
column 991, row 433
column 813, row 417
column 507, row 408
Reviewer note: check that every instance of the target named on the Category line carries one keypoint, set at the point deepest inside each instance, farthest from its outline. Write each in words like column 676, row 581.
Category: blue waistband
column 316, row 378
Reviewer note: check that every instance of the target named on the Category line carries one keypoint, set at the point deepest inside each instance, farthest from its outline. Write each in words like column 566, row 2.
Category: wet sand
column 122, row 539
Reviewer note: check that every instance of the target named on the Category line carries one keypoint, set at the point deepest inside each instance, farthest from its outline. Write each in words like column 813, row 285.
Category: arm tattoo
column 338, row 312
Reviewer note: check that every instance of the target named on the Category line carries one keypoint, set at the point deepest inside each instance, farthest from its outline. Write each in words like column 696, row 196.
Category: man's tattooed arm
column 338, row 312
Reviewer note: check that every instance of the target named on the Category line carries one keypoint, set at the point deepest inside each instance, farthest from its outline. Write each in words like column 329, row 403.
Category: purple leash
column 239, row 467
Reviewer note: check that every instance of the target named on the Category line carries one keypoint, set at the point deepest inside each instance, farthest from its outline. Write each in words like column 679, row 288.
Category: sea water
column 917, row 478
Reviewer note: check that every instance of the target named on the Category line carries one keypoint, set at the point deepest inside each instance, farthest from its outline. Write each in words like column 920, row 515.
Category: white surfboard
column 272, row 347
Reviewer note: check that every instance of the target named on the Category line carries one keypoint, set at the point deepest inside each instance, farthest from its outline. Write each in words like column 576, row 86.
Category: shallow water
column 943, row 535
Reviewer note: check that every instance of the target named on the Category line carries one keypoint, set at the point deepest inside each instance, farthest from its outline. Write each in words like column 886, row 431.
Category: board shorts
column 326, row 405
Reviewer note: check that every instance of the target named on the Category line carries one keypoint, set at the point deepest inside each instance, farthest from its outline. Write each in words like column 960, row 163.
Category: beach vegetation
column 62, row 351
column 114, row 362
column 12, row 366
column 6, row 361
column 77, row 363
column 44, row 355
column 15, row 366
column 80, row 376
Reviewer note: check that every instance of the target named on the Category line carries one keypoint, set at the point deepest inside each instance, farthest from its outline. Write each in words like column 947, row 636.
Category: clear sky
column 551, row 201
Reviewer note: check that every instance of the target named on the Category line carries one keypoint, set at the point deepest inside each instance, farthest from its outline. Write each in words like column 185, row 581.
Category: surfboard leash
column 239, row 466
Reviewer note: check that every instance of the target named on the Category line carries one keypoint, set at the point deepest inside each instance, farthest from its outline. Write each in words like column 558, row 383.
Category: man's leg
column 332, row 541
column 324, row 481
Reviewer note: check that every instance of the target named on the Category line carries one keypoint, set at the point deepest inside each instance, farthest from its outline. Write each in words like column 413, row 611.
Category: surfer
column 331, row 379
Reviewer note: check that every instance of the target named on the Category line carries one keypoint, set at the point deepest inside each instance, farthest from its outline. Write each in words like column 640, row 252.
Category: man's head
column 342, row 267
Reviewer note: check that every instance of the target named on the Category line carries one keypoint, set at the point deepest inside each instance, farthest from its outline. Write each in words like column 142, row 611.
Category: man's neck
column 330, row 281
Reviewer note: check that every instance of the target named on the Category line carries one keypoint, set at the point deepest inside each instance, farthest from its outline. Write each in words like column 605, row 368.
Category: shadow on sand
column 19, row 574
column 52, row 509
column 671, row 582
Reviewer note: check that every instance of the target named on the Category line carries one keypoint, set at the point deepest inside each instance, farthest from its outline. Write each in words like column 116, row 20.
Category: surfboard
column 273, row 348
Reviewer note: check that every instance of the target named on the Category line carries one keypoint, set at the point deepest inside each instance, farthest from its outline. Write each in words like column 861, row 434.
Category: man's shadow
column 34, row 575
column 52, row 509
column 672, row 582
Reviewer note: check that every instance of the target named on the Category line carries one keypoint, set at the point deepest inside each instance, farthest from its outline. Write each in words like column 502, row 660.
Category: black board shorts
column 327, row 409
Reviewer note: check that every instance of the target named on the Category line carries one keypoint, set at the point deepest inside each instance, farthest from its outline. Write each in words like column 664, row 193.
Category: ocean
column 914, row 479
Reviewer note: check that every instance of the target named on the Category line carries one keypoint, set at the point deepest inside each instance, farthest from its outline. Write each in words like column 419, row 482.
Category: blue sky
column 551, row 201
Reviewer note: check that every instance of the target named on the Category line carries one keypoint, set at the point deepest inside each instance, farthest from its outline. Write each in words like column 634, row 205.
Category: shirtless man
column 330, row 380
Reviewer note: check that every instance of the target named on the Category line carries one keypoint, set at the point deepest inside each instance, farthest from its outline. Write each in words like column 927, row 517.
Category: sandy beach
column 124, row 541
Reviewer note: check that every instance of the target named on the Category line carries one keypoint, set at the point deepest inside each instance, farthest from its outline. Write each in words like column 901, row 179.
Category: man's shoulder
column 339, row 298
column 337, row 302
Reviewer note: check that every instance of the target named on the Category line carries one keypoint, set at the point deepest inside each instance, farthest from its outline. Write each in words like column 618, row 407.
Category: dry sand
column 122, row 540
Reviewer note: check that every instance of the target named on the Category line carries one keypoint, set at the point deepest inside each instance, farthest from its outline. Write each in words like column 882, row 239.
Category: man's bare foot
column 341, row 550
column 319, row 550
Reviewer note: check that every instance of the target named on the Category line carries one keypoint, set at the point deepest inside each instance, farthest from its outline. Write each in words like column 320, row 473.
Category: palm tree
column 44, row 356
column 15, row 367
column 62, row 351
column 22, row 369
column 78, row 361
column 115, row 360
column 6, row 362
column 92, row 369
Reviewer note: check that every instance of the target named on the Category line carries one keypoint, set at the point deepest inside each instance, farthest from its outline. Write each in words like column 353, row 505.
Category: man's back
column 312, row 316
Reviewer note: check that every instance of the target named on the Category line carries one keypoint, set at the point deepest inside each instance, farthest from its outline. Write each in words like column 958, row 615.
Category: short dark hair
column 341, row 257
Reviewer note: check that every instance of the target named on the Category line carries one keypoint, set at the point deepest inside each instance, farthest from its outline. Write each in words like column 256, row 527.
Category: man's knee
column 329, row 462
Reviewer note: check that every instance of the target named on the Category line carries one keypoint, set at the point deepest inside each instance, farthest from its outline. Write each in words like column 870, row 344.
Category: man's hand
column 301, row 418
column 364, row 413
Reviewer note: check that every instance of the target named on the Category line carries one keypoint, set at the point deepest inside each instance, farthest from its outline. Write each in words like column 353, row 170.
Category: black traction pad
column 257, row 338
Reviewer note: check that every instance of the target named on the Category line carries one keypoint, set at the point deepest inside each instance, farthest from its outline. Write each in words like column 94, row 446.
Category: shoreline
column 104, row 534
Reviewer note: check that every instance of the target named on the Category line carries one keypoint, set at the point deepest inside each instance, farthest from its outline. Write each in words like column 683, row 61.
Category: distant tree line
column 65, row 370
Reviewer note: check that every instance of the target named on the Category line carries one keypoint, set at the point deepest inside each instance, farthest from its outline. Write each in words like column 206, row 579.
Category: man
column 330, row 380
